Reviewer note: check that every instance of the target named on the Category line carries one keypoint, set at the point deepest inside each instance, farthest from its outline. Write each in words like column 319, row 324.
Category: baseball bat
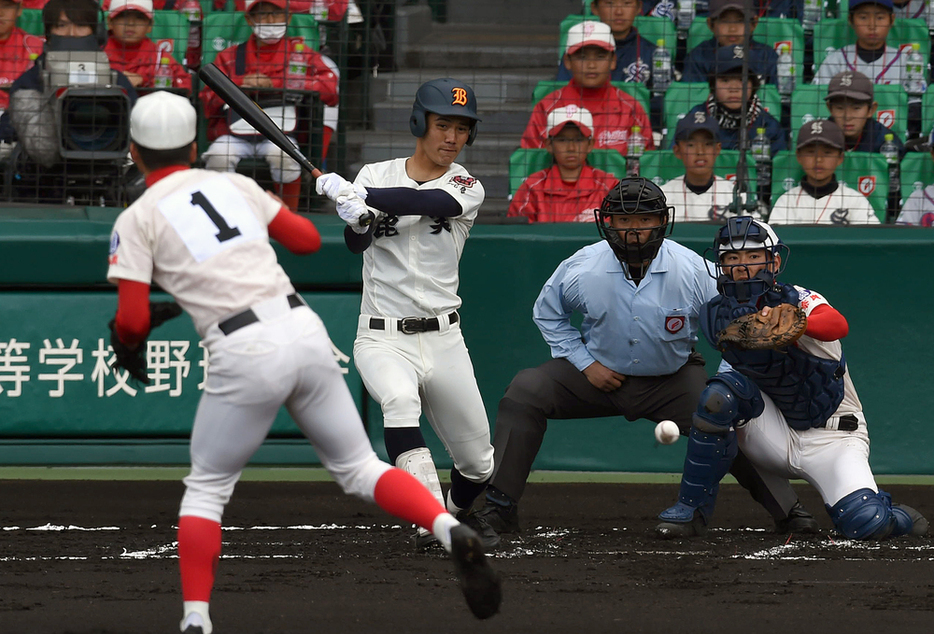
column 241, row 103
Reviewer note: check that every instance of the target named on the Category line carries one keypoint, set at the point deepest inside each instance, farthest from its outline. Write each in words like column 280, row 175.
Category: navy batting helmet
column 745, row 233
column 446, row 97
column 630, row 197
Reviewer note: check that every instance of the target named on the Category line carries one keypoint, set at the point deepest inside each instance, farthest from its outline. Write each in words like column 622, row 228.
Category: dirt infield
column 85, row 557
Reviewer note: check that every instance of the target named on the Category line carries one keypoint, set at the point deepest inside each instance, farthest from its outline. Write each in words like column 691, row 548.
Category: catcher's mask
column 634, row 197
column 446, row 96
column 745, row 233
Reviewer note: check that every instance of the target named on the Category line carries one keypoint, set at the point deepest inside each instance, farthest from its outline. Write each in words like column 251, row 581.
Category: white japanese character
column 66, row 359
column 159, row 359
column 104, row 359
column 13, row 367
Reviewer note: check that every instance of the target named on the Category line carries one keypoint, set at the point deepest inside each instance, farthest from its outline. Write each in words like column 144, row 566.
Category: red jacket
column 271, row 61
column 143, row 59
column 614, row 114
column 336, row 8
column 546, row 197
column 34, row 4
column 17, row 55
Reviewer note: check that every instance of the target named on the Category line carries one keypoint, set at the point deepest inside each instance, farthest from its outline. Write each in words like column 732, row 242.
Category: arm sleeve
column 825, row 323
column 297, row 234
column 405, row 201
column 552, row 315
column 132, row 321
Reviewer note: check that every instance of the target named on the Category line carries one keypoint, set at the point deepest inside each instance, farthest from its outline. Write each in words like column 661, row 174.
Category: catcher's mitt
column 781, row 327
column 134, row 360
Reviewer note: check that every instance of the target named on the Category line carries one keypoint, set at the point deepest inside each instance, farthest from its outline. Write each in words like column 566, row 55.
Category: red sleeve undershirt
column 825, row 323
column 295, row 233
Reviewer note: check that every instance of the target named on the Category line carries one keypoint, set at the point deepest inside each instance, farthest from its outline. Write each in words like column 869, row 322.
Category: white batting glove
column 352, row 210
column 335, row 187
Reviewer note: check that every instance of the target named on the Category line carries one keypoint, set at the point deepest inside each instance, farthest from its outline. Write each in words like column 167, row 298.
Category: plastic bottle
column 192, row 10
column 929, row 16
column 661, row 68
column 890, row 151
column 915, row 84
column 162, row 78
column 786, row 71
column 813, row 12
column 634, row 149
column 295, row 73
column 685, row 17
column 761, row 149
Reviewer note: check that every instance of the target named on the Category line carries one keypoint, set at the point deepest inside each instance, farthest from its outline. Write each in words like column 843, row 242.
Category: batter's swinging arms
column 409, row 349
column 203, row 237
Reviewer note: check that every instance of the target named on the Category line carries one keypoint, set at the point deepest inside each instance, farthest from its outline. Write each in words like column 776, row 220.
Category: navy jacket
column 729, row 139
column 873, row 137
column 700, row 62
column 767, row 8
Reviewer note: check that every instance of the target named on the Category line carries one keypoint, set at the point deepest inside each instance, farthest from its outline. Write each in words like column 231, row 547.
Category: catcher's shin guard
column 708, row 459
column 864, row 514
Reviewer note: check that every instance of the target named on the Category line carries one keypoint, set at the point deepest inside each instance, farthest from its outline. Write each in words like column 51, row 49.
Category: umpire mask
column 633, row 197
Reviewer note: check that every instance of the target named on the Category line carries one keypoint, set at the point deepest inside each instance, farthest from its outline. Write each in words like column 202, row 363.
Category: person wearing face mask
column 263, row 62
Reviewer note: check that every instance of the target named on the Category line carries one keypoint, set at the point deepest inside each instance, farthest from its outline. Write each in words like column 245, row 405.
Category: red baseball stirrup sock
column 400, row 494
column 199, row 548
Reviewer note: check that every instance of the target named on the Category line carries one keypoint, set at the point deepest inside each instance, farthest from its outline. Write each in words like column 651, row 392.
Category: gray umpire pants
column 558, row 390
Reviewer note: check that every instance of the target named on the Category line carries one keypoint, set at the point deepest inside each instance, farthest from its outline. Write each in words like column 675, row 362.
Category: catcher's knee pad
column 729, row 399
column 707, row 460
column 219, row 160
column 865, row 514
column 359, row 479
column 282, row 167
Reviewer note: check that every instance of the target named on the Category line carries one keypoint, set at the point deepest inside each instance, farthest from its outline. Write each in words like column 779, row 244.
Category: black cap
column 694, row 121
column 821, row 131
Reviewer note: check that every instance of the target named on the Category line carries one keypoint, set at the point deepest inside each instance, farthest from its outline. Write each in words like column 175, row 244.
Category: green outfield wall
column 61, row 404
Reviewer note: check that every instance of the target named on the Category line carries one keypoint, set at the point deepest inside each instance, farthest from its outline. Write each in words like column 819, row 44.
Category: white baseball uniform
column 411, row 270
column 888, row 69
column 918, row 209
column 709, row 206
column 835, row 462
column 202, row 237
column 844, row 206
column 912, row 9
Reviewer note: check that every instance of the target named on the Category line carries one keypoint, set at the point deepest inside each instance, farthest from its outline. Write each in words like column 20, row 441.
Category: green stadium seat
column 808, row 104
column 650, row 27
column 660, row 166
column 917, row 172
column 862, row 171
column 31, row 22
column 526, row 161
column 171, row 26
column 636, row 90
column 224, row 29
column 609, row 161
column 833, row 33
column 681, row 97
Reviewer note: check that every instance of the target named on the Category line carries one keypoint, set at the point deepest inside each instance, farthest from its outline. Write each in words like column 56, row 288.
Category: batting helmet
column 745, row 233
column 630, row 197
column 446, row 97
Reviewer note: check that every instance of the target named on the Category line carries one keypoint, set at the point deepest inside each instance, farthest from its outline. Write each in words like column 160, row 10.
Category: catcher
column 782, row 395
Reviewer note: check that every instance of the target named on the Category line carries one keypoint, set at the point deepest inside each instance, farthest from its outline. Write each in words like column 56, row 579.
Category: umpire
column 640, row 296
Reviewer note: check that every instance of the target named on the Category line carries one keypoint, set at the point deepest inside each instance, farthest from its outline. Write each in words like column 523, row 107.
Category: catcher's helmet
column 745, row 233
column 446, row 97
column 630, row 197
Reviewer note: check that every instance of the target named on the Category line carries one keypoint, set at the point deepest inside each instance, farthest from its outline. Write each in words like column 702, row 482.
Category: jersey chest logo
column 840, row 217
column 638, row 71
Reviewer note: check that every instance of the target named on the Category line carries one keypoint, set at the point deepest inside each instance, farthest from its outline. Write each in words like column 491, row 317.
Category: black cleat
column 919, row 525
column 502, row 518
column 798, row 521
column 488, row 537
column 480, row 584
column 193, row 629
column 681, row 530
column 425, row 541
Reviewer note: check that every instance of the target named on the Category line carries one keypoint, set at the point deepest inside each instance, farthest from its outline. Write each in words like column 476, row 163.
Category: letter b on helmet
column 445, row 97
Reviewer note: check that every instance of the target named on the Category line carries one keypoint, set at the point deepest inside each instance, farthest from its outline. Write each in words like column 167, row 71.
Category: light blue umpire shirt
column 644, row 330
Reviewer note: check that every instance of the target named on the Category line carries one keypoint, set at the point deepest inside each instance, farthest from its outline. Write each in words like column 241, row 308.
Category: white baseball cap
column 119, row 6
column 163, row 121
column 590, row 33
column 282, row 4
column 560, row 117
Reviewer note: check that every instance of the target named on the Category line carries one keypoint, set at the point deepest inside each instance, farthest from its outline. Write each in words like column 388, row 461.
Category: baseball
column 667, row 432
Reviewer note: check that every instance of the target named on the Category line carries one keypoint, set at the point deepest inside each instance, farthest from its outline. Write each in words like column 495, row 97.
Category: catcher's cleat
column 488, row 536
column 798, row 521
column 919, row 525
column 480, row 584
column 680, row 530
column 425, row 540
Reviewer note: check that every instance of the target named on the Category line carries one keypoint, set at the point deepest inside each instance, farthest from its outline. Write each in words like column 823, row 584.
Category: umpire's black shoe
column 501, row 517
column 798, row 521
column 680, row 530
column 480, row 584
column 488, row 537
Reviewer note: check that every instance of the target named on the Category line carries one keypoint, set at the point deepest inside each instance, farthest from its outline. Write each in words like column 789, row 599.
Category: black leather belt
column 412, row 325
column 847, row 422
column 248, row 317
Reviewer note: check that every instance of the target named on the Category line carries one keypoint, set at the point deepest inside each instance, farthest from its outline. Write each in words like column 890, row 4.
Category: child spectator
column 590, row 55
column 699, row 195
column 261, row 62
column 570, row 189
column 727, row 22
column 135, row 55
column 918, row 209
column 18, row 49
column 907, row 9
column 820, row 199
column 850, row 100
column 725, row 102
column 871, row 20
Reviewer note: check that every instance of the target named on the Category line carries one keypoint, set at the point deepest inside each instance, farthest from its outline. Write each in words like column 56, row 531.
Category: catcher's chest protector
column 806, row 388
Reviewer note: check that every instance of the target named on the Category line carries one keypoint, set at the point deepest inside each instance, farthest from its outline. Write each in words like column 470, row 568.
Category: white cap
column 282, row 4
column 590, row 33
column 560, row 117
column 163, row 121
column 119, row 6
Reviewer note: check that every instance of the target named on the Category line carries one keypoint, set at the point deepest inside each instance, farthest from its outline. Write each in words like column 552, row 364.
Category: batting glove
column 335, row 187
column 352, row 210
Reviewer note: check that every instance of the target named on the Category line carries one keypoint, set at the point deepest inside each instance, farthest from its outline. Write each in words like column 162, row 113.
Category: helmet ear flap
column 473, row 134
column 417, row 122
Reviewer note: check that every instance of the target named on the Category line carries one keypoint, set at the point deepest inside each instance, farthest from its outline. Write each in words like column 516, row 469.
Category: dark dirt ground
column 312, row 560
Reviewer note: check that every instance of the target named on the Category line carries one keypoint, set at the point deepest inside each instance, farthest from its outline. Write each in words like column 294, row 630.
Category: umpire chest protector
column 806, row 388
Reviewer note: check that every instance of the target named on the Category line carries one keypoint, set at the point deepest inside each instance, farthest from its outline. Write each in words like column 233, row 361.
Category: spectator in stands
column 725, row 102
column 727, row 22
column 764, row 8
column 699, row 195
column 132, row 52
column 570, row 189
column 907, row 9
column 262, row 63
column 18, row 49
column 871, row 20
column 820, row 199
column 591, row 56
column 851, row 102
column 918, row 209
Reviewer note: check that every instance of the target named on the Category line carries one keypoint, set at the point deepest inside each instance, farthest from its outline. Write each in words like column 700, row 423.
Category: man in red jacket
column 569, row 190
column 18, row 49
column 591, row 57
column 268, row 59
